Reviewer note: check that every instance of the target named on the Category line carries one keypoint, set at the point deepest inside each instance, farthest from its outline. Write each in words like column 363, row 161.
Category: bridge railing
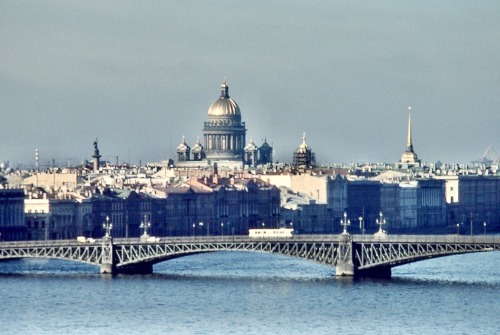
column 227, row 239
column 451, row 238
column 47, row 243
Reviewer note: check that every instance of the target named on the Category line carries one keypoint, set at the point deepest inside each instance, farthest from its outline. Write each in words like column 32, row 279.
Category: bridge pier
column 347, row 266
column 107, row 263
column 344, row 269
column 344, row 265
column 108, row 268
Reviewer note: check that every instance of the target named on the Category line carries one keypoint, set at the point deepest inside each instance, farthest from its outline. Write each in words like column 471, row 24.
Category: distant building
column 12, row 215
column 411, row 205
column 304, row 215
column 223, row 205
column 478, row 202
column 54, row 180
column 50, row 217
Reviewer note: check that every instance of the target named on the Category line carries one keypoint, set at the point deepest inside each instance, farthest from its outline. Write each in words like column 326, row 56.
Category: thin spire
column 409, row 144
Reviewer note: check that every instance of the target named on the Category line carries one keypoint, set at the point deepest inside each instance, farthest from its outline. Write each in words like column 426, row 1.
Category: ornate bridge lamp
column 107, row 226
column 361, row 225
column 345, row 222
column 484, row 232
column 380, row 222
column 201, row 228
column 222, row 228
column 145, row 225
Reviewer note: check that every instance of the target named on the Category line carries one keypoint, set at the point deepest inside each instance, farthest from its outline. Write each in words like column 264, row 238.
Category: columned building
column 224, row 132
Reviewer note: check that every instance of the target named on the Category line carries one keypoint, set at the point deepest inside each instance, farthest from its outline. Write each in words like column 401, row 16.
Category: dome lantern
column 224, row 106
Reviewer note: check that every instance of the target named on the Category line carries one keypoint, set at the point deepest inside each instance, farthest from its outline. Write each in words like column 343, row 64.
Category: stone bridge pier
column 107, row 262
column 347, row 266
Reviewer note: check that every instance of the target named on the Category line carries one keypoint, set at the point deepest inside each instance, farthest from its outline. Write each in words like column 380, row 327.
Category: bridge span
column 351, row 255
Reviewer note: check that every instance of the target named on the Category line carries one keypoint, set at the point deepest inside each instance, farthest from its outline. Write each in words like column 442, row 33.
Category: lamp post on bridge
column 107, row 248
column 201, row 228
column 107, row 226
column 194, row 226
column 471, row 224
column 345, row 222
column 484, row 232
column 222, row 229
column 380, row 222
column 145, row 225
column 361, row 225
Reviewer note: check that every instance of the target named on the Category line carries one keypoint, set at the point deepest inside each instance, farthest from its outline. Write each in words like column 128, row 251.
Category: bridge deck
column 350, row 254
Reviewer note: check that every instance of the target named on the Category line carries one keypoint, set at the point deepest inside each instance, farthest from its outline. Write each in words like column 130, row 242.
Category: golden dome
column 224, row 106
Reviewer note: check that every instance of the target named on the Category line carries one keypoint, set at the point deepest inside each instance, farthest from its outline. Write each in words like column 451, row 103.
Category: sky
column 139, row 75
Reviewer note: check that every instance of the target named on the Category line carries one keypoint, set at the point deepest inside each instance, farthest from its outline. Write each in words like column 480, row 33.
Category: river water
column 251, row 293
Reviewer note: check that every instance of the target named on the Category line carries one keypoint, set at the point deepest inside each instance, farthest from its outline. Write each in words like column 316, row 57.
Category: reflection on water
column 249, row 293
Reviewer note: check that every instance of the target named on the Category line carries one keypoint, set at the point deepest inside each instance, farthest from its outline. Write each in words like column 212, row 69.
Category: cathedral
column 224, row 139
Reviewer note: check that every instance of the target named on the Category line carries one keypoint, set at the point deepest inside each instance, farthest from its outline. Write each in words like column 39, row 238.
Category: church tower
column 409, row 156
column 304, row 157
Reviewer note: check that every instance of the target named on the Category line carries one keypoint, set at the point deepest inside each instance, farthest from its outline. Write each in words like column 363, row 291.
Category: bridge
column 351, row 255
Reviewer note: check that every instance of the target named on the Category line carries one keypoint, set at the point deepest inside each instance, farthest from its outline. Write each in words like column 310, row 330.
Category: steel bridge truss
column 87, row 253
column 351, row 255
column 129, row 254
column 380, row 254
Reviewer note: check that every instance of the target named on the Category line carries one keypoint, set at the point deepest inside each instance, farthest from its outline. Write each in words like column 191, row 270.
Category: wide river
column 251, row 293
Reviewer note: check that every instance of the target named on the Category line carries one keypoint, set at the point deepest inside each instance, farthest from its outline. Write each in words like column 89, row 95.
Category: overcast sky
column 139, row 75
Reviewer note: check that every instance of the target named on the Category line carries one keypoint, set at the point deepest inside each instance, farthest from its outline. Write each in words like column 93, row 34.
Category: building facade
column 12, row 226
